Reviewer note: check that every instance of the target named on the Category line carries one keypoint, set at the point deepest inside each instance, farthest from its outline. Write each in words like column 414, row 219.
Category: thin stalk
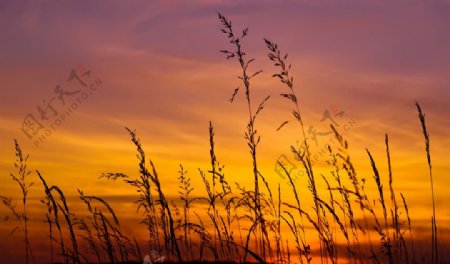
column 434, row 240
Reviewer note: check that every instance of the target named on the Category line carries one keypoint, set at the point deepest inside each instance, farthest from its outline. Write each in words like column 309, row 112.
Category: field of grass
column 242, row 224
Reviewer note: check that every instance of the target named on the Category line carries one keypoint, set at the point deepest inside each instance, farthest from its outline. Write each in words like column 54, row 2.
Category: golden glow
column 163, row 76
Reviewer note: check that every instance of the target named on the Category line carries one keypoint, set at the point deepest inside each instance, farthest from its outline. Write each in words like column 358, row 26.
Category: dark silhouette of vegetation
column 241, row 224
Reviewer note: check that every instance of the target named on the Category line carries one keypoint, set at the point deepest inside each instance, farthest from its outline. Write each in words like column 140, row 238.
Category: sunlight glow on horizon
column 163, row 75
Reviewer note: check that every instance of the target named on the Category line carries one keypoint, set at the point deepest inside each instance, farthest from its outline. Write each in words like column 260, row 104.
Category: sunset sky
column 162, row 74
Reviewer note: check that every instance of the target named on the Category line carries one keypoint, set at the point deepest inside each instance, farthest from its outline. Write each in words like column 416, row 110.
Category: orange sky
column 163, row 75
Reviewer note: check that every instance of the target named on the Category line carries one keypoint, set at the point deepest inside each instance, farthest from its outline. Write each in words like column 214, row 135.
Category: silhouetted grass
column 21, row 178
column 240, row 223
column 251, row 134
column 143, row 184
column 434, row 244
